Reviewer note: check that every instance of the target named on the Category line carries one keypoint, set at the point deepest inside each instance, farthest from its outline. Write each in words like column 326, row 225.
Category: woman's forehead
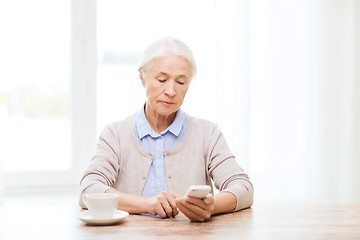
column 165, row 74
column 178, row 66
column 170, row 63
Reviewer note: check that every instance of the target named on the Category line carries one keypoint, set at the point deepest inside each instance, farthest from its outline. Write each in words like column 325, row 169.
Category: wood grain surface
column 259, row 222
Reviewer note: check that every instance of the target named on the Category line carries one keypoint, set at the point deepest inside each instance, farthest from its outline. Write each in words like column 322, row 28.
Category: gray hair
column 165, row 47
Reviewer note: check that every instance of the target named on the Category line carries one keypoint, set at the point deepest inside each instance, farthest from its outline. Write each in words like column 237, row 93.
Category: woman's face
column 166, row 83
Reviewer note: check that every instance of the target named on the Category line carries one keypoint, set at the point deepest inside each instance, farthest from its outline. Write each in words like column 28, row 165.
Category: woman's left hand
column 196, row 209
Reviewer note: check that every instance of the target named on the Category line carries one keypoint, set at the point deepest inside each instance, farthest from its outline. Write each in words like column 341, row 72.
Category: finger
column 196, row 201
column 160, row 210
column 176, row 196
column 169, row 211
column 166, row 205
column 193, row 211
column 188, row 211
column 174, row 208
column 171, row 199
column 202, row 213
column 175, row 211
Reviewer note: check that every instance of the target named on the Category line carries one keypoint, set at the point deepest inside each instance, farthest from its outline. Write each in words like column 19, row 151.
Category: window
column 34, row 91
column 44, row 91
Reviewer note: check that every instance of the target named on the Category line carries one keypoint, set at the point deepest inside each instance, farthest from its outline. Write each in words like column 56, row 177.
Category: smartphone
column 198, row 191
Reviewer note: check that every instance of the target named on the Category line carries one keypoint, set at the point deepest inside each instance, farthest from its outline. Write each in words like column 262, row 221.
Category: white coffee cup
column 101, row 205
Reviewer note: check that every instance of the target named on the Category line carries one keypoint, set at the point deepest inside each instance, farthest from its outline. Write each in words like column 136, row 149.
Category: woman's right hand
column 163, row 204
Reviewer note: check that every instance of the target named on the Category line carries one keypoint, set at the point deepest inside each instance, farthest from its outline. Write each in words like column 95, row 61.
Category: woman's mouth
column 166, row 103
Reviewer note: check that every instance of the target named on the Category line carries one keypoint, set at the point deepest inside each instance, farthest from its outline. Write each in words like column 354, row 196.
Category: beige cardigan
column 202, row 157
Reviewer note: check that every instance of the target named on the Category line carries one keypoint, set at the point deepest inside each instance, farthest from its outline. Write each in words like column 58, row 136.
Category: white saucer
column 86, row 217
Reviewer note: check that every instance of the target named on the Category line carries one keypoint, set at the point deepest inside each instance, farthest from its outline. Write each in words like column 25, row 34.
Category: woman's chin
column 167, row 112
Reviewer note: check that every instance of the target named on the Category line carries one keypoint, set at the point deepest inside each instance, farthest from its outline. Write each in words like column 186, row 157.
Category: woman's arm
column 226, row 173
column 131, row 203
column 103, row 169
column 163, row 204
column 236, row 190
column 225, row 202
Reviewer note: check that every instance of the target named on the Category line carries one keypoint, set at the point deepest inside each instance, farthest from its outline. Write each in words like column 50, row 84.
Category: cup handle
column 84, row 199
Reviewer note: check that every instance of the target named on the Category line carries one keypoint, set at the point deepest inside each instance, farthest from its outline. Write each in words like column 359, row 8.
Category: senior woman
column 153, row 156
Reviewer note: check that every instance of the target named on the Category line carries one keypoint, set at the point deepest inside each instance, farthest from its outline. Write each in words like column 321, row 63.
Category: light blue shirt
column 156, row 143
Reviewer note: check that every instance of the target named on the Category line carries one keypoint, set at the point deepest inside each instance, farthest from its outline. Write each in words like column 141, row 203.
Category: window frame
column 83, row 68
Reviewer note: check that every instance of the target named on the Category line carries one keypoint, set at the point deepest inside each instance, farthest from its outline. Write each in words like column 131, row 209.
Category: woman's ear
column 141, row 76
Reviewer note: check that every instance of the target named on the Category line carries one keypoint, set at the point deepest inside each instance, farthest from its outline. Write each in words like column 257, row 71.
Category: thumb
column 209, row 199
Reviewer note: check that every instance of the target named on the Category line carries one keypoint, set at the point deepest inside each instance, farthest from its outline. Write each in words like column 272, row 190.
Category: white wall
column 305, row 101
column 3, row 119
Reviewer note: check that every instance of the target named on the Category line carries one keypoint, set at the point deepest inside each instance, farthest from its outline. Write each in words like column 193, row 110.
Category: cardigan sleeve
column 226, row 173
column 104, row 166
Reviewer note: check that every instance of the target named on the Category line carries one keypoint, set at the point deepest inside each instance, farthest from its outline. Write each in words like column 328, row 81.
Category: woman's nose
column 170, row 89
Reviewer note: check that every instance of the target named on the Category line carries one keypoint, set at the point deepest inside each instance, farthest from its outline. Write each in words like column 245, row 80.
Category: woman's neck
column 157, row 121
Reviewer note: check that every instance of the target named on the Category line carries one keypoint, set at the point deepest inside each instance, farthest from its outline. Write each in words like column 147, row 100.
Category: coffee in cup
column 101, row 205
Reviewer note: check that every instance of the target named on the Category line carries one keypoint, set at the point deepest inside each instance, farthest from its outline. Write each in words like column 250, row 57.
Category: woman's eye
column 181, row 83
column 162, row 80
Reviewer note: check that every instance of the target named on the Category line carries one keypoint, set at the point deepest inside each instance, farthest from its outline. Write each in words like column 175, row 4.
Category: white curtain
column 1, row 185
column 304, row 101
column 3, row 116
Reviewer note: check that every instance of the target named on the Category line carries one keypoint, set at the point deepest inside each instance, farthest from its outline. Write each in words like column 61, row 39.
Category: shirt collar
column 143, row 127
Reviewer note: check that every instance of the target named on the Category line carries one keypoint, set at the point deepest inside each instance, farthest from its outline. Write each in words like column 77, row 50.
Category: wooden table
column 260, row 222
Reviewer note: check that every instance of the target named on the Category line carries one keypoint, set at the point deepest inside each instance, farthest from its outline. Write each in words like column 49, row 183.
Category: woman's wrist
column 131, row 203
column 225, row 202
column 145, row 206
